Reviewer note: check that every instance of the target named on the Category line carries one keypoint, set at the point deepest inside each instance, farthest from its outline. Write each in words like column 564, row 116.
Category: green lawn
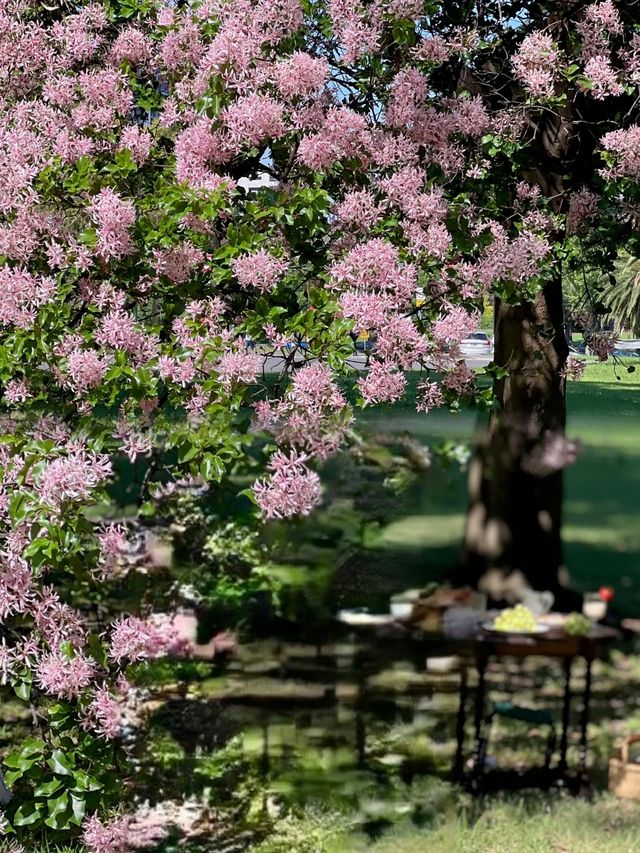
column 602, row 533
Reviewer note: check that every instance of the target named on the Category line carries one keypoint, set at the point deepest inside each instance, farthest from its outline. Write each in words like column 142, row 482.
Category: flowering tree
column 148, row 300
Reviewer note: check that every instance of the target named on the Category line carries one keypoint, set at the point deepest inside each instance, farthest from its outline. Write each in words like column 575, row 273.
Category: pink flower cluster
column 574, row 368
column 382, row 384
column 625, row 145
column 300, row 75
column 290, row 489
column 112, row 837
column 536, row 63
column 134, row 639
column 583, row 207
column 602, row 78
column 454, row 326
column 179, row 262
column 114, row 218
column 21, row 294
column 85, row 370
column 63, row 675
column 72, row 477
column 259, row 269
column 104, row 714
column 313, row 415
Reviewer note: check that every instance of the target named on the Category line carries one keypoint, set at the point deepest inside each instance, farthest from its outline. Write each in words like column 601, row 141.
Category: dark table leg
column 458, row 762
column 584, row 725
column 566, row 707
column 478, row 763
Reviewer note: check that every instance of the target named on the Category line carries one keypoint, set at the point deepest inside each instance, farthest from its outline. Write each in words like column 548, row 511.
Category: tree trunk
column 513, row 532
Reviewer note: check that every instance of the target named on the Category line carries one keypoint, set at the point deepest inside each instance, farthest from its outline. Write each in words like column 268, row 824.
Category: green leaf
column 22, row 690
column 78, row 807
column 59, row 763
column 57, row 817
column 47, row 789
column 28, row 814
column 32, row 746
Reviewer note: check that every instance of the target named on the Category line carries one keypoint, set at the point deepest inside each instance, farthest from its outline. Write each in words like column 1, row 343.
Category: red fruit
column 605, row 593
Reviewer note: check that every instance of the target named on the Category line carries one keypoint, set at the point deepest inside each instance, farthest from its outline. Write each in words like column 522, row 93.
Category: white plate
column 539, row 629
column 351, row 617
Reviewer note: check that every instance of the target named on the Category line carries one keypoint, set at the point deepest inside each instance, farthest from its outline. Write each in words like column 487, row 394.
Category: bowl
column 401, row 609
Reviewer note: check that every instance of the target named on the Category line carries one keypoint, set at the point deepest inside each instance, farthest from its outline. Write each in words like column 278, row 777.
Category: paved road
column 275, row 364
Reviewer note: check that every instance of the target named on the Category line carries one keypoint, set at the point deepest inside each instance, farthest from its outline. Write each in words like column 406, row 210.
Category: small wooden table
column 552, row 644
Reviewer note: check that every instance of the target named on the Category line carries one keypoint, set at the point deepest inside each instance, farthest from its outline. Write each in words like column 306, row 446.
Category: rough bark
column 513, row 532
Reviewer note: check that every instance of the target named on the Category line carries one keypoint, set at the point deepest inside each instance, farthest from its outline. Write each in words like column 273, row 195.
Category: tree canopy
column 423, row 157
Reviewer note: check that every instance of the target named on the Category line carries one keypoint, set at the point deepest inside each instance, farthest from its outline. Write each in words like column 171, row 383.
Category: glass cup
column 593, row 607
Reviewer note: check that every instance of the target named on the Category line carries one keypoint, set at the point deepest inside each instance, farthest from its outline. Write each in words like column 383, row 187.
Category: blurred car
column 477, row 343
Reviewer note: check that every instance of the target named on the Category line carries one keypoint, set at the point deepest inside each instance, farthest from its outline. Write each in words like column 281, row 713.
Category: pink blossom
column 605, row 16
column 454, row 326
column 574, row 368
column 134, row 639
column 112, row 837
column 65, row 676
column 253, row 119
column 113, row 541
column 535, row 64
column 300, row 74
column 399, row 341
column 117, row 329
column 178, row 263
column 72, row 477
column 583, row 206
column 197, row 149
column 429, row 397
column 291, row 489
column 57, row 622
column 239, row 366
column 182, row 46
column 344, row 133
column 313, row 415
column 17, row 391
column 432, row 49
column 131, row 45
column 408, row 92
column 134, row 442
column 85, row 370
column 104, row 714
column 625, row 144
column 367, row 310
column 114, row 217
column 21, row 294
column 16, row 587
column 259, row 269
column 174, row 370
column 382, row 384
column 107, row 97
column 358, row 208
column 460, row 379
column 138, row 142
column 375, row 265
column 602, row 78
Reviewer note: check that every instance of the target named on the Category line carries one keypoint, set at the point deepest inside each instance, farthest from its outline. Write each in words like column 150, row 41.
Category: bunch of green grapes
column 518, row 618
column 577, row 625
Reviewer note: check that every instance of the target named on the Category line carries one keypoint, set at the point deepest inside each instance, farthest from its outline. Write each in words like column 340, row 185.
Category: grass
column 543, row 826
column 602, row 536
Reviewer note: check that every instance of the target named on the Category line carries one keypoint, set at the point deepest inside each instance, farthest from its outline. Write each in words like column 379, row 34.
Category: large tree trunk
column 513, row 533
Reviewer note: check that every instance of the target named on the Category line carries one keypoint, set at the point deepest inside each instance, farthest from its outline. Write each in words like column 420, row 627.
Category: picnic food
column 518, row 618
column 577, row 625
